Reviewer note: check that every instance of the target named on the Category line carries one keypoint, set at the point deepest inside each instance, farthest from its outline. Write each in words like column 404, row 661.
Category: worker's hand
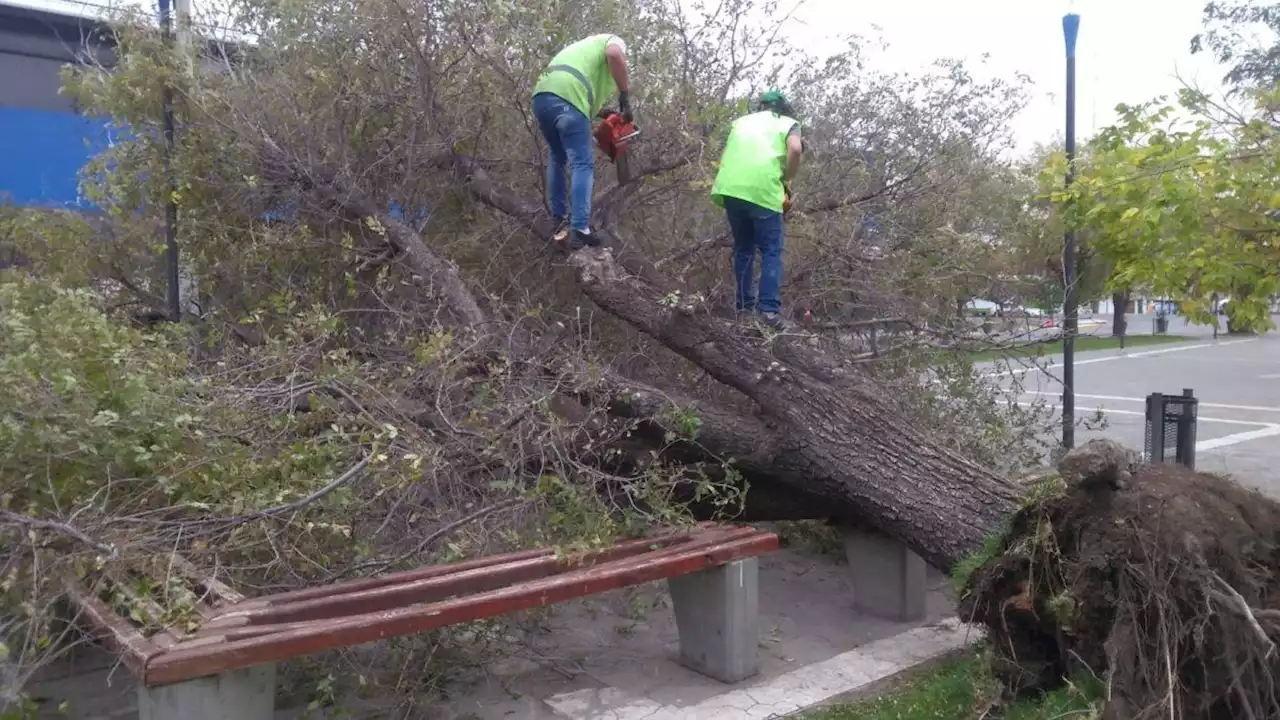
column 786, row 199
column 624, row 104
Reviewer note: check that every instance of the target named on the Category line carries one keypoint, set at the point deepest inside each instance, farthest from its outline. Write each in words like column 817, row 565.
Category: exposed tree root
column 1163, row 581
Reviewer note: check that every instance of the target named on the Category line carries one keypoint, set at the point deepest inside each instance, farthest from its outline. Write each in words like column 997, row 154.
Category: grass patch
column 961, row 689
column 1084, row 343
column 1044, row 488
column 968, row 564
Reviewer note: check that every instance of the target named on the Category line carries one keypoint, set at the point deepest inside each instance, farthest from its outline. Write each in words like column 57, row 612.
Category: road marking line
column 1249, row 408
column 1144, row 414
column 1109, row 358
column 1269, row 377
column 1162, row 351
column 1238, row 438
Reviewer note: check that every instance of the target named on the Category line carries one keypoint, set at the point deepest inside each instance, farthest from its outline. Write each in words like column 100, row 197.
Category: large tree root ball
column 1161, row 582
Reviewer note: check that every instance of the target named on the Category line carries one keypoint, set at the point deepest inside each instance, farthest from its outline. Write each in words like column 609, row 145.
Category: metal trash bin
column 1171, row 428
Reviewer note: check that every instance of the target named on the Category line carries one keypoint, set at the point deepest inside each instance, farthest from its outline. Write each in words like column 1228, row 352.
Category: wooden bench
column 225, row 668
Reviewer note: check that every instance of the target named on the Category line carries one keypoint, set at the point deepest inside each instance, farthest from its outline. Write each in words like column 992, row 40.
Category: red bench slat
column 115, row 632
column 434, row 589
column 436, row 570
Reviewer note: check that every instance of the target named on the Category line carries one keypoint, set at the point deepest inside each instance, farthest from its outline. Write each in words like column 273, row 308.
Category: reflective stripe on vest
column 576, row 73
column 579, row 75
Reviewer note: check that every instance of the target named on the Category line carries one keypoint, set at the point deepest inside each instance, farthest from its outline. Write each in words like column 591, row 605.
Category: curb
column 864, row 670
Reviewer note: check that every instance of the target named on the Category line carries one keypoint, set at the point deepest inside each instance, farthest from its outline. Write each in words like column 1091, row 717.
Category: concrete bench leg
column 718, row 619
column 888, row 579
column 247, row 694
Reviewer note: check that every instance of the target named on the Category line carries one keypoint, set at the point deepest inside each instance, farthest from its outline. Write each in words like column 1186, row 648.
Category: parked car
column 981, row 307
column 1026, row 311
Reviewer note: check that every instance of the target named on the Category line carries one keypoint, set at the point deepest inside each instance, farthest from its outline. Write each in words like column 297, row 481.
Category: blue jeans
column 568, row 135
column 756, row 229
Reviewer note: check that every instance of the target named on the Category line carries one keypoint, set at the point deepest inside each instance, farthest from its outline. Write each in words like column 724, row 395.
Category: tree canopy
column 1180, row 198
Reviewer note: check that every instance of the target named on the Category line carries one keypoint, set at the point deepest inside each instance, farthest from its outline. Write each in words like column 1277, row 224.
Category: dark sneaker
column 777, row 321
column 561, row 234
column 584, row 238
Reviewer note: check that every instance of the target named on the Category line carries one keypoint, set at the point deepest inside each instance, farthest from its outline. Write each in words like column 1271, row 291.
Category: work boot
column 584, row 238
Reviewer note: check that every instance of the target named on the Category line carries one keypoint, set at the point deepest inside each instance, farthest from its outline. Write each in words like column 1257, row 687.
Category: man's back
column 755, row 153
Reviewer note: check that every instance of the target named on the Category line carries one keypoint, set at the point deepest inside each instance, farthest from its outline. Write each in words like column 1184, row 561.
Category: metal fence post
column 1154, row 446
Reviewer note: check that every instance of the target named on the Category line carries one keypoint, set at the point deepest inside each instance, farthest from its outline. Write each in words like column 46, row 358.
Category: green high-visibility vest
column 580, row 74
column 753, row 161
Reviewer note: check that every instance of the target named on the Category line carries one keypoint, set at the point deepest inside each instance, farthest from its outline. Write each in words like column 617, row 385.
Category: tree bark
column 724, row 434
column 1119, row 304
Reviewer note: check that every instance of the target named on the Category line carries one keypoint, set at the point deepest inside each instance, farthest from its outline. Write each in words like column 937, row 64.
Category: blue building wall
column 44, row 142
column 43, row 153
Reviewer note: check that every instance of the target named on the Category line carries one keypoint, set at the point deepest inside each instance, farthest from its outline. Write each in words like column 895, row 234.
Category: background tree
column 1183, row 207
column 1231, row 36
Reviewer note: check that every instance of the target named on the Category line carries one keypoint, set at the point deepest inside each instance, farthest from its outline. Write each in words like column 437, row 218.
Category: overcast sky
column 1128, row 51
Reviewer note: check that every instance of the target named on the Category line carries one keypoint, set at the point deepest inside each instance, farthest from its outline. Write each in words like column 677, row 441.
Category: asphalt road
column 1237, row 381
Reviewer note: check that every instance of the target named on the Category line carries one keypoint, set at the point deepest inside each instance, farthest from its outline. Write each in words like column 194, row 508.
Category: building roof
column 71, row 31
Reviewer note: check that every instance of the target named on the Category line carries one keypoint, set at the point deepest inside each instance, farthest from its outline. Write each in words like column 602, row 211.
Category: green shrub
column 83, row 401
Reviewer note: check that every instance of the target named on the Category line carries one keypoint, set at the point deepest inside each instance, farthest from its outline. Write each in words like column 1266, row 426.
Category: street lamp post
column 1070, row 28
column 170, row 206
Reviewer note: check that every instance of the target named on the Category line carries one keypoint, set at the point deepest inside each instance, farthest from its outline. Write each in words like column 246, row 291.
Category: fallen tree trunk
column 726, row 434
column 832, row 436
column 842, row 443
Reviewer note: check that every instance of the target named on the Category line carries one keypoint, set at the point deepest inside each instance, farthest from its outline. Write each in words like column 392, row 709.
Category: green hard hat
column 777, row 102
column 772, row 97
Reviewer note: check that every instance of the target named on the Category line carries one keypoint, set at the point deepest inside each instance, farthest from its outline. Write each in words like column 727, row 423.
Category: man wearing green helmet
column 761, row 156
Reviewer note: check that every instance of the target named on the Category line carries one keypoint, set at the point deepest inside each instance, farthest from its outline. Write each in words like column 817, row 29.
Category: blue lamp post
column 1070, row 29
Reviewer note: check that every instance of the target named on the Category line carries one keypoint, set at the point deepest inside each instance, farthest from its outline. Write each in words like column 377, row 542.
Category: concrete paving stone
column 603, row 703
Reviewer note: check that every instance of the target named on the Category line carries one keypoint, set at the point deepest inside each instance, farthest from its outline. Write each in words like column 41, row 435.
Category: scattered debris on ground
column 1162, row 582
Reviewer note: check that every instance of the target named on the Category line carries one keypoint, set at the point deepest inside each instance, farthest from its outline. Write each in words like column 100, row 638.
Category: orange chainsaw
column 612, row 135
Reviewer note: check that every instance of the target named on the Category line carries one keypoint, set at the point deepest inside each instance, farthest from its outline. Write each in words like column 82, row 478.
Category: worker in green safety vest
column 753, row 185
column 577, row 83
